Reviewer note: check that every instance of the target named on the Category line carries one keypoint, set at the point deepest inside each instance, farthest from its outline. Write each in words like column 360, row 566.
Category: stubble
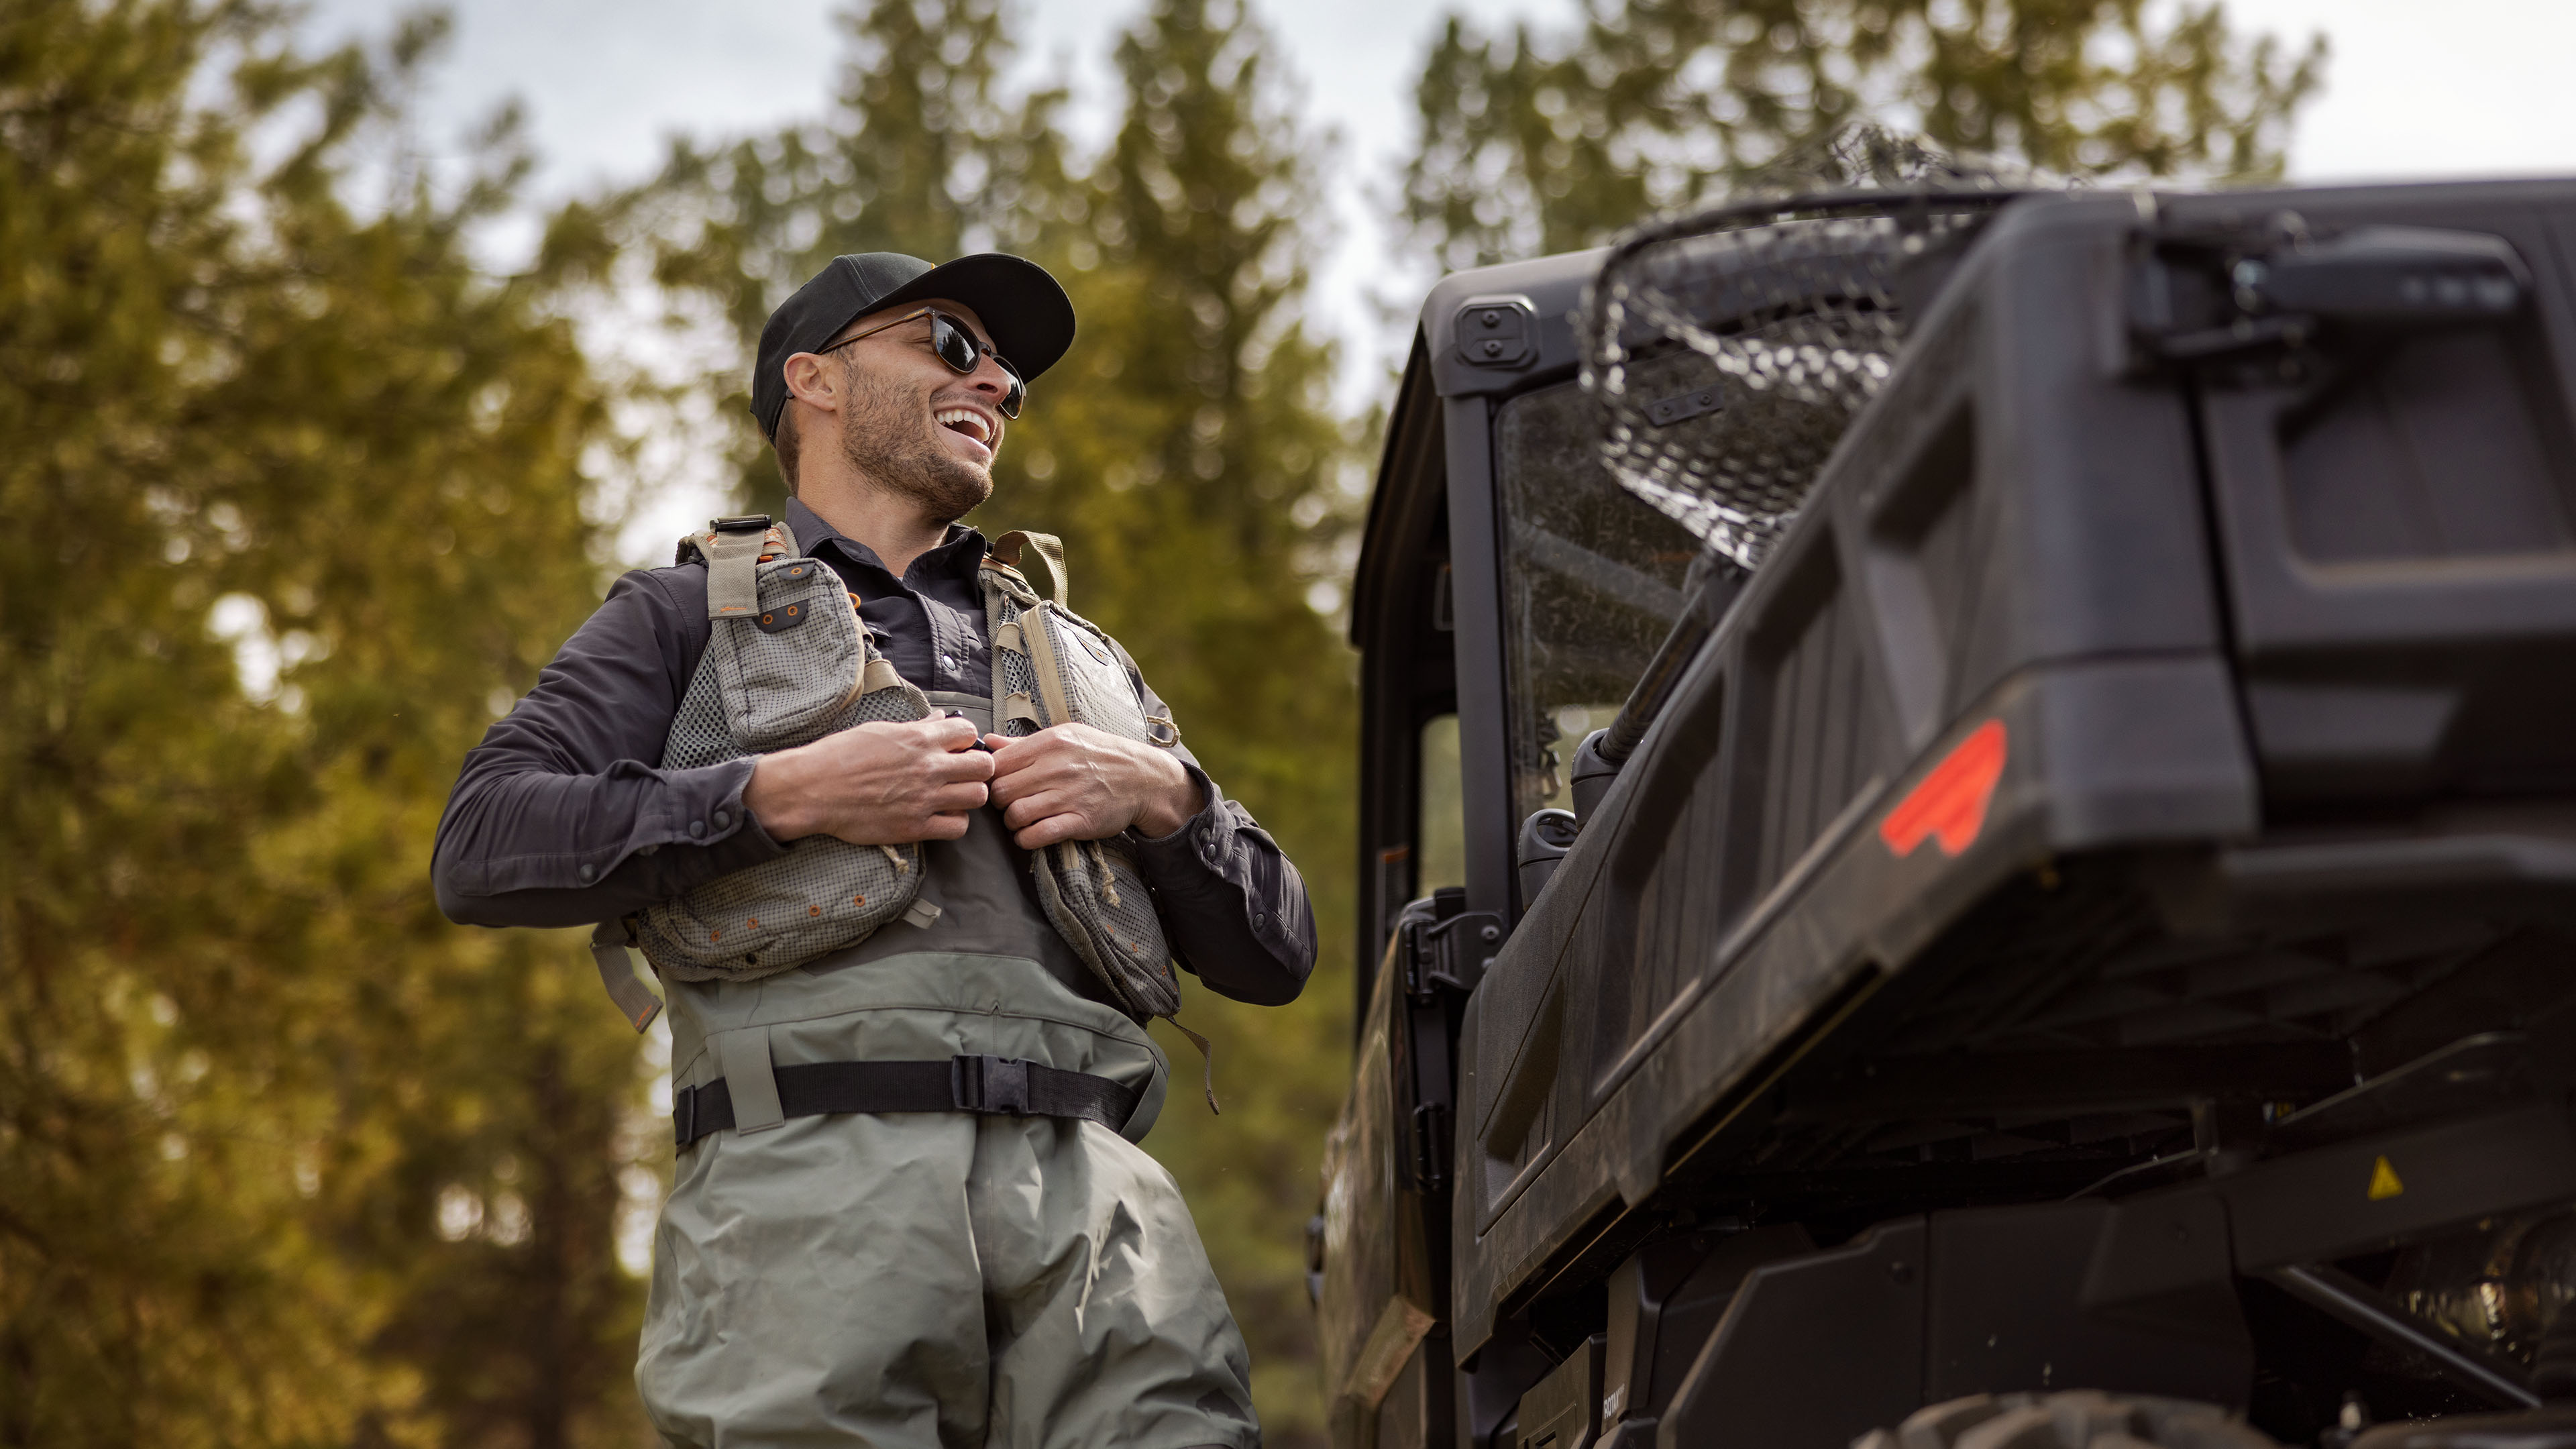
column 888, row 437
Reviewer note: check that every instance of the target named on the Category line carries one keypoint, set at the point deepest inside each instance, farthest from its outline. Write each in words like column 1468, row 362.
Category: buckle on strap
column 684, row 1116
column 990, row 1085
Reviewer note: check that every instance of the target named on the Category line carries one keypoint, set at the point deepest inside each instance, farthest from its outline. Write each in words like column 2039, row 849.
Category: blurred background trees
column 296, row 503
column 302, row 493
column 1534, row 143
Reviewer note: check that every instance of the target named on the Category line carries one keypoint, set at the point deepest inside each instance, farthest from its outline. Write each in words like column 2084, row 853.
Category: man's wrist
column 769, row 797
column 1175, row 807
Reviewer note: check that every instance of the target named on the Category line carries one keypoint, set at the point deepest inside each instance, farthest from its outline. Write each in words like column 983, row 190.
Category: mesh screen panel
column 1729, row 350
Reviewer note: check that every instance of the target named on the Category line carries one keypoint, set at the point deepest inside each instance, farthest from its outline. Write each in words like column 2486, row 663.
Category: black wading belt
column 988, row 1086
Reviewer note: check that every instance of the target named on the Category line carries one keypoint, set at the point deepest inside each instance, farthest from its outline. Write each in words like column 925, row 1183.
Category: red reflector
column 1950, row 805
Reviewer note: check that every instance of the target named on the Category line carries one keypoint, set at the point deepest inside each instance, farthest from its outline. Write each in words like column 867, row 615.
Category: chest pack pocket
column 787, row 662
column 1051, row 666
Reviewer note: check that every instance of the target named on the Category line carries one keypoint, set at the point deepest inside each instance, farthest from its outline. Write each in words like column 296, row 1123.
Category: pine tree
column 246, row 1064
column 1197, row 463
column 1532, row 143
column 923, row 153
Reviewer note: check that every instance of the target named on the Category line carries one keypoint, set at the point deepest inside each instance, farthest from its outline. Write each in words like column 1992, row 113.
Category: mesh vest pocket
column 822, row 896
column 787, row 676
column 790, row 672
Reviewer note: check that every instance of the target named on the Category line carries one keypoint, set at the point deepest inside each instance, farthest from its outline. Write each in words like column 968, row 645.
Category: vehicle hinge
column 1451, row 955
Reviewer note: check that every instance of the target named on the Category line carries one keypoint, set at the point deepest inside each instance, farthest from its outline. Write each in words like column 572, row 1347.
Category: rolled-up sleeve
column 559, row 818
column 1232, row 903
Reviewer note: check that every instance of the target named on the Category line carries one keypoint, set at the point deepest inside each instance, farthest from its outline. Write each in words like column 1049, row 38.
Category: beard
column 888, row 437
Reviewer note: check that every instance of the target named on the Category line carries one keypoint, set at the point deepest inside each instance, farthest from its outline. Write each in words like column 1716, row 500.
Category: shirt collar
column 962, row 551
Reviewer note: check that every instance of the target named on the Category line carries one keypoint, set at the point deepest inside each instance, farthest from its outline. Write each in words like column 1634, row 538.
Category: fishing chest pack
column 788, row 662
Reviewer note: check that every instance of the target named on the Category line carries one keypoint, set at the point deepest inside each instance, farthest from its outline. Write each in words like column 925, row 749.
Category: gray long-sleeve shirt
column 563, row 817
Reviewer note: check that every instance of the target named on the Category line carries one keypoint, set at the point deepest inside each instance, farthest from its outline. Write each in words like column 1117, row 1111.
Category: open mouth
column 967, row 421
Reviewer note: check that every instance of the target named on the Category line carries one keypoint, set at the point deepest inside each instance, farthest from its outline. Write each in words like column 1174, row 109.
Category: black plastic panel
column 2018, row 535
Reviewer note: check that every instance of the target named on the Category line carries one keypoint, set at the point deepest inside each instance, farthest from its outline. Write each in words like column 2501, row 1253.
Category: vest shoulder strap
column 1039, row 558
column 733, row 550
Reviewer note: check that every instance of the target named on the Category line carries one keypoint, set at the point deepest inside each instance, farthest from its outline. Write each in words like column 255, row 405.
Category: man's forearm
column 523, row 846
column 556, row 820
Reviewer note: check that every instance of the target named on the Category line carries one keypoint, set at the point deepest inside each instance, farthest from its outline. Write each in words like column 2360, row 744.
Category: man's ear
column 812, row 383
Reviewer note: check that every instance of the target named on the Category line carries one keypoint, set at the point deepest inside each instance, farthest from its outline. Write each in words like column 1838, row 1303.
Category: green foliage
column 1196, row 458
column 922, row 153
column 245, row 1061
column 1533, row 144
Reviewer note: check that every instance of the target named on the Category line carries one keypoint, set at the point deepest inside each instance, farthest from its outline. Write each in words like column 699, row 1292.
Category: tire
column 2077, row 1419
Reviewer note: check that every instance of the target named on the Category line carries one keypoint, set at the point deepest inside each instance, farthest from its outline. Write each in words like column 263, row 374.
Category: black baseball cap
column 1023, row 310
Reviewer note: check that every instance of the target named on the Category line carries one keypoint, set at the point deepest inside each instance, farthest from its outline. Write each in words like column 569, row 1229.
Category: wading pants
column 930, row 1279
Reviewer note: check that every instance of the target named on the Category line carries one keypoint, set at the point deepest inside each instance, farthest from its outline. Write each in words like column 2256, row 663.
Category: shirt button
column 589, row 873
column 948, row 662
column 723, row 820
column 697, row 827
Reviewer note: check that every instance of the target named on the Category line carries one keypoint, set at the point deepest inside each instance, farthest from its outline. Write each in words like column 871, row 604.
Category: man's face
column 914, row 424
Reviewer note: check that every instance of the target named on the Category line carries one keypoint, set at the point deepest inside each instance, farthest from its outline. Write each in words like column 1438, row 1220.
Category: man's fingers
column 944, row 827
column 1010, row 788
column 1048, row 819
column 962, row 765
column 950, row 798
column 950, row 732
column 1029, row 778
column 1029, row 810
column 1013, row 756
column 1048, row 743
column 1050, row 831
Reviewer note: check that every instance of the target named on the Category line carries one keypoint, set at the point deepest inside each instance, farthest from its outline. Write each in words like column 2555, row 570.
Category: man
column 876, row 1270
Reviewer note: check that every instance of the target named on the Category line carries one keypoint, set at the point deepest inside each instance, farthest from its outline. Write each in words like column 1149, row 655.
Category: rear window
column 1592, row 582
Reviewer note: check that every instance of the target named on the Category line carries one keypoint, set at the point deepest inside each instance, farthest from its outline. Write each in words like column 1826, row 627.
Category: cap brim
column 1023, row 309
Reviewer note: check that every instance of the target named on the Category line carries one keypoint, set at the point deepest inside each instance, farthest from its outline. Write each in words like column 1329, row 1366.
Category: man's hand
column 1073, row 782
column 876, row 784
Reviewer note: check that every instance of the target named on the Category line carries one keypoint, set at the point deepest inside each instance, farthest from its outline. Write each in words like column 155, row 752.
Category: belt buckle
column 990, row 1086
column 684, row 1116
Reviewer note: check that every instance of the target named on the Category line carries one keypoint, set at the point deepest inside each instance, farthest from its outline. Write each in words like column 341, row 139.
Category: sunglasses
column 957, row 346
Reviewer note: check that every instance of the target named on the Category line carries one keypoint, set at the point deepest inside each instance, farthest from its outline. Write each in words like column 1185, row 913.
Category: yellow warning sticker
column 2383, row 1181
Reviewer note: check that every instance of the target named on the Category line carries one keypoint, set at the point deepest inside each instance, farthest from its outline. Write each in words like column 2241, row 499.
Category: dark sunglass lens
column 953, row 343
column 958, row 348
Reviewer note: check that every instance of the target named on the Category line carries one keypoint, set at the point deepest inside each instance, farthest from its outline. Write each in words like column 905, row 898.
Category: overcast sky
column 2462, row 87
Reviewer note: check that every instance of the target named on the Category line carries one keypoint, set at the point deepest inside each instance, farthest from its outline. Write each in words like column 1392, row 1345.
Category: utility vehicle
column 1969, row 820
